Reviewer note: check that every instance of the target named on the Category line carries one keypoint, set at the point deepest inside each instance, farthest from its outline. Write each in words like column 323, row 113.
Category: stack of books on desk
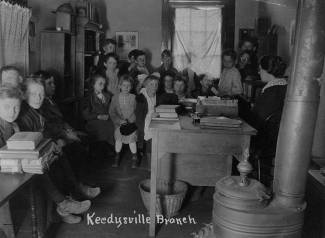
column 10, row 166
column 25, row 151
column 167, row 112
column 220, row 123
column 24, row 140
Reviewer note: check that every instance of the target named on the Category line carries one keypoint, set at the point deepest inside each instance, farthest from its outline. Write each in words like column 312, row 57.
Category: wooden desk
column 198, row 156
column 10, row 185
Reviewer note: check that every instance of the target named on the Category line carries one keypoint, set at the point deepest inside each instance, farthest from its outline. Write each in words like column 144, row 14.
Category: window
column 197, row 40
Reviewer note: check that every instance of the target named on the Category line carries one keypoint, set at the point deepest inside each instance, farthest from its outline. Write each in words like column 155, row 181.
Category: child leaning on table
column 10, row 101
column 122, row 111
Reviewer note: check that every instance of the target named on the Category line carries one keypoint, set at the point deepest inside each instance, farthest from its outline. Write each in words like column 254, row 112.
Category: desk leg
column 6, row 222
column 153, row 184
column 35, row 228
column 245, row 146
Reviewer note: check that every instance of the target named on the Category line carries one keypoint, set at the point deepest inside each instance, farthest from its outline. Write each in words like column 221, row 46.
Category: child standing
column 147, row 100
column 122, row 111
column 108, row 47
column 230, row 79
column 96, row 113
column 111, row 73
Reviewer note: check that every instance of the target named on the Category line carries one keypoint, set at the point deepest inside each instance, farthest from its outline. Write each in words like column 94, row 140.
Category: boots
column 116, row 160
column 134, row 161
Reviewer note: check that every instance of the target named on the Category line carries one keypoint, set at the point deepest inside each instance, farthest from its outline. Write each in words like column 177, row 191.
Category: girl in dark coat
column 96, row 112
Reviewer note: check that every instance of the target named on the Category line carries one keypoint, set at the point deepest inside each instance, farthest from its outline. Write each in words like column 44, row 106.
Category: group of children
column 133, row 90
column 27, row 105
column 118, row 110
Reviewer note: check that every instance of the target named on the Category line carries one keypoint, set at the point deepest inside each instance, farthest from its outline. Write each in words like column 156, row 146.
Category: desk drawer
column 199, row 143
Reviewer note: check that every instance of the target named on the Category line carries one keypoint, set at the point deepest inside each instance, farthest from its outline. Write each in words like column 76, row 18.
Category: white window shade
column 197, row 40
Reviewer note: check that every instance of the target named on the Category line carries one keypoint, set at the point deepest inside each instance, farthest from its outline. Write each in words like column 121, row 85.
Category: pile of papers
column 219, row 123
column 26, row 152
column 220, row 102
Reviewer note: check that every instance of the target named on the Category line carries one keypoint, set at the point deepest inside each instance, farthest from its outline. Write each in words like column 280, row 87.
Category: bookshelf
column 87, row 44
column 58, row 57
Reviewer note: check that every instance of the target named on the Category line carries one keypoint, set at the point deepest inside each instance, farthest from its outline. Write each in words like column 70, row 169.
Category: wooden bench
column 10, row 185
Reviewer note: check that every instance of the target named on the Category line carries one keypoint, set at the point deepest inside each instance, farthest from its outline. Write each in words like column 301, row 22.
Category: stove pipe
column 301, row 106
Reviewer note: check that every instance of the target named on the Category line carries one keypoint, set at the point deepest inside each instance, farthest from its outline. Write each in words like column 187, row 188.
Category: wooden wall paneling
column 228, row 24
column 52, row 57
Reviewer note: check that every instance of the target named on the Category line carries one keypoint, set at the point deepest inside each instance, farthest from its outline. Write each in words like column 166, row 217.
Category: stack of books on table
column 10, row 166
column 26, row 151
column 167, row 112
column 220, row 123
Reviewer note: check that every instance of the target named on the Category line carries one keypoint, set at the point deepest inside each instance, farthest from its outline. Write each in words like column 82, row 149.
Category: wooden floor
column 120, row 197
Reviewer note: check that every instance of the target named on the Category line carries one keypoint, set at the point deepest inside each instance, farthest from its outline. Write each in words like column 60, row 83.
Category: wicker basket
column 169, row 199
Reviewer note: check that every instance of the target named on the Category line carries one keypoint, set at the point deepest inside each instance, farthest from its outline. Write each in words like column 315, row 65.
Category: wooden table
column 10, row 185
column 181, row 150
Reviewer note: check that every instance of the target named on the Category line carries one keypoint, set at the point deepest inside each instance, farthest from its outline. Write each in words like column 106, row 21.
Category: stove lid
column 230, row 192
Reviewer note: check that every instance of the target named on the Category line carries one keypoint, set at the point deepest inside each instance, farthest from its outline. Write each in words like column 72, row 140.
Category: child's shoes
column 116, row 160
column 134, row 161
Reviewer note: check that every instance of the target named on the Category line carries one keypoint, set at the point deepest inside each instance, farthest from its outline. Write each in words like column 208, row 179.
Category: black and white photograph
column 162, row 118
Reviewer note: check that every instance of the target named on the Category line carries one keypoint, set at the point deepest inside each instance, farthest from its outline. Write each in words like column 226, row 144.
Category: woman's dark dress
column 266, row 117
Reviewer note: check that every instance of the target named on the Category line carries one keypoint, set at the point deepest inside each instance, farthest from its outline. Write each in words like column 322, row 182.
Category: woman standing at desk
column 266, row 114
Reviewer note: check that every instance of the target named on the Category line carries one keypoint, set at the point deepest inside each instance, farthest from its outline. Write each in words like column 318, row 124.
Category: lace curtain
column 14, row 21
column 197, row 40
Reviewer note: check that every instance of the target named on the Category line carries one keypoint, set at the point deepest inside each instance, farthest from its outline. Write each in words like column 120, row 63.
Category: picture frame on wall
column 125, row 42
